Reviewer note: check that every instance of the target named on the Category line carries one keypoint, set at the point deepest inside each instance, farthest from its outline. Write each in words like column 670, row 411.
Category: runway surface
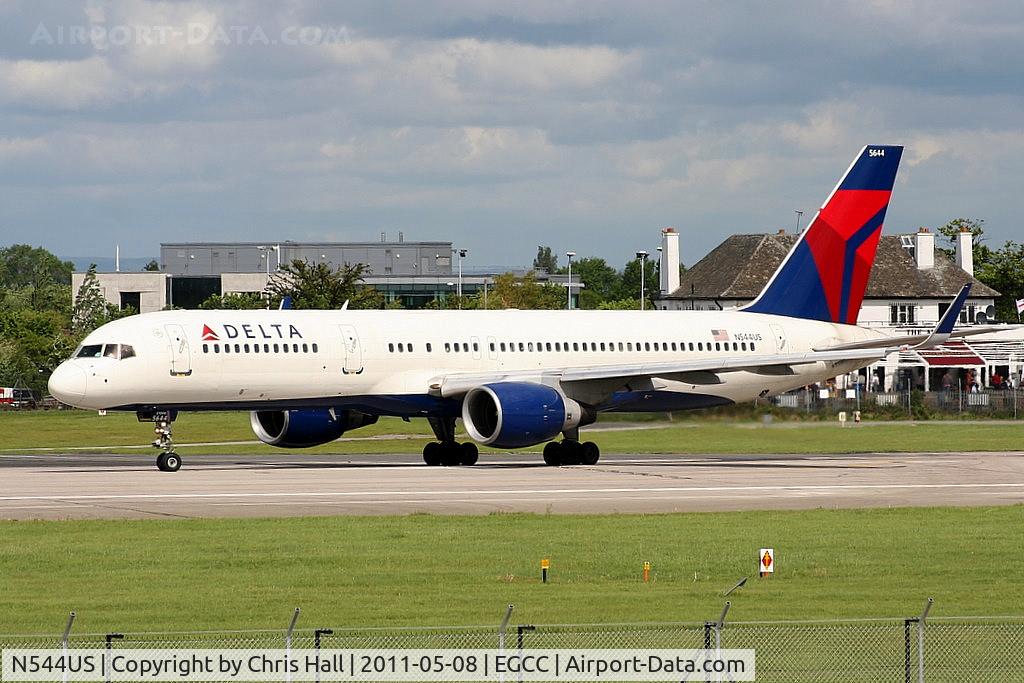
column 129, row 486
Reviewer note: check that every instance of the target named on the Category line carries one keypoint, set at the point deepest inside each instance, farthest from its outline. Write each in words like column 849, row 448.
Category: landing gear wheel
column 589, row 453
column 468, row 453
column 451, row 454
column 432, row 454
column 572, row 452
column 553, row 453
column 168, row 462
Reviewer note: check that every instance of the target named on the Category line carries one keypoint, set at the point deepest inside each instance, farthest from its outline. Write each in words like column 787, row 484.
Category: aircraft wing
column 697, row 371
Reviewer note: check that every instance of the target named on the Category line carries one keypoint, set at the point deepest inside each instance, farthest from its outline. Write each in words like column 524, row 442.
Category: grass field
column 432, row 570
column 28, row 430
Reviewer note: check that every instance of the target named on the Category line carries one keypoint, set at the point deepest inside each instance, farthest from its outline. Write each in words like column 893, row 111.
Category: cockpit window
column 115, row 351
column 90, row 351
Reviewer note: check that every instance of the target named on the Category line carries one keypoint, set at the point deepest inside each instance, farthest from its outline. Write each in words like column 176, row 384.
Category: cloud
column 572, row 123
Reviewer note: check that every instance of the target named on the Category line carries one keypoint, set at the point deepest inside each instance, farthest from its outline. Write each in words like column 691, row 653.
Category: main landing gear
column 446, row 450
column 168, row 460
column 571, row 452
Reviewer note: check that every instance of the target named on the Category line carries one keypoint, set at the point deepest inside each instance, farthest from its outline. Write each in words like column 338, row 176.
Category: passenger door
column 181, row 355
column 352, row 350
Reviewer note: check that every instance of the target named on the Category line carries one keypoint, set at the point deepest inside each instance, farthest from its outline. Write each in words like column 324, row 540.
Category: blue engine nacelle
column 304, row 428
column 517, row 414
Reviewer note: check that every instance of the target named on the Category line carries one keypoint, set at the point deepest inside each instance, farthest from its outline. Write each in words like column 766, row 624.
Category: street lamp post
column 462, row 254
column 568, row 304
column 642, row 256
column 799, row 215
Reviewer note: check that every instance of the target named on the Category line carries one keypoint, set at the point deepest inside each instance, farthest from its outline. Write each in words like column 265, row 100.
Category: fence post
column 316, row 646
column 64, row 646
column 906, row 648
column 707, row 644
column 106, row 665
column 501, row 636
column 288, row 645
column 520, row 630
column 920, row 640
column 718, row 632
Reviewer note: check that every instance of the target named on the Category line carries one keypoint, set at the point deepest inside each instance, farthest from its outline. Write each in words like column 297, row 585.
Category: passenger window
column 238, row 348
column 522, row 347
column 277, row 349
column 246, row 347
column 620, row 347
column 476, row 346
column 447, row 347
column 656, row 346
column 547, row 346
column 256, row 348
column 502, row 346
column 558, row 346
column 206, row 348
column 700, row 346
column 743, row 346
column 673, row 346
column 593, row 346
column 408, row 347
column 575, row 346
column 401, row 347
column 429, row 347
column 227, row 348
column 305, row 348
column 284, row 348
column 647, row 346
column 629, row 346
column 456, row 345
column 751, row 346
column 391, row 348
column 718, row 346
column 602, row 346
column 216, row 348
column 266, row 348
column 465, row 347
column 735, row 346
column 491, row 346
column 529, row 346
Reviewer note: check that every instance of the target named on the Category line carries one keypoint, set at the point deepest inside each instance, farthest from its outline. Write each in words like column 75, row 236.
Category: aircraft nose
column 67, row 383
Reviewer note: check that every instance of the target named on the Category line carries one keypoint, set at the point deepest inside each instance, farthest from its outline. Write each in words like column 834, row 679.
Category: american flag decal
column 720, row 335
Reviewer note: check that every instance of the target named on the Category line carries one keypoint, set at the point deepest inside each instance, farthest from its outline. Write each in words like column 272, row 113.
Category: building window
column 902, row 314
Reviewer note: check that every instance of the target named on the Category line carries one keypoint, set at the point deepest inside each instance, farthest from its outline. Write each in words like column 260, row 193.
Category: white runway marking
column 504, row 492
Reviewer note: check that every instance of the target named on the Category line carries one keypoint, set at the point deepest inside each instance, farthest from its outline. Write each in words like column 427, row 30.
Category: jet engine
column 517, row 414
column 304, row 428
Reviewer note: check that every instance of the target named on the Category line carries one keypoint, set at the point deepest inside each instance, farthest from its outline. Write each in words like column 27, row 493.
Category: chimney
column 669, row 260
column 924, row 249
column 965, row 251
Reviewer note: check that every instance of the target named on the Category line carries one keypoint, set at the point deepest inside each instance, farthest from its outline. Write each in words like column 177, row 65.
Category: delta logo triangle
column 209, row 334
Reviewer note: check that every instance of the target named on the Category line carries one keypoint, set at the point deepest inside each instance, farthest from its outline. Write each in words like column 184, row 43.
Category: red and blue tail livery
column 825, row 275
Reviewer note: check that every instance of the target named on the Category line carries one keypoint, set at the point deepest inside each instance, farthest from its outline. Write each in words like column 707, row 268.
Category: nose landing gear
column 168, row 460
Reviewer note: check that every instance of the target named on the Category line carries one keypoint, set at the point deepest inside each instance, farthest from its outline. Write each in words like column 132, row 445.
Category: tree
column 976, row 226
column 630, row 284
column 600, row 281
column 319, row 286
column 1003, row 270
column 235, row 301
column 509, row 291
column 22, row 265
column 545, row 260
column 152, row 266
column 91, row 309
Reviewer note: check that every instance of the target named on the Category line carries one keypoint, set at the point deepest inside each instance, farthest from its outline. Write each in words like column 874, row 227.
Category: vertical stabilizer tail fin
column 825, row 275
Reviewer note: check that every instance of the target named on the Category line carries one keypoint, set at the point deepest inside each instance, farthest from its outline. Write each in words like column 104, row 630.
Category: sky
column 585, row 126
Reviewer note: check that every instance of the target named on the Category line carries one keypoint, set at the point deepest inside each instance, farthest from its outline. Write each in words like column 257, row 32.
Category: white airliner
column 516, row 378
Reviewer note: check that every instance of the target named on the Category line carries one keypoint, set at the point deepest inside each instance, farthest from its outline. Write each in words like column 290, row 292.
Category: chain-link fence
column 914, row 650
column 1007, row 404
